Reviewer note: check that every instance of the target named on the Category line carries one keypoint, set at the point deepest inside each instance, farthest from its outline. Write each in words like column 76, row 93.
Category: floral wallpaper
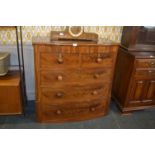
column 7, row 36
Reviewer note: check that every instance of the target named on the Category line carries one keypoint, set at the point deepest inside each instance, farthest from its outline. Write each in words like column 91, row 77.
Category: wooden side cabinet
column 10, row 94
column 134, row 78
column 134, row 81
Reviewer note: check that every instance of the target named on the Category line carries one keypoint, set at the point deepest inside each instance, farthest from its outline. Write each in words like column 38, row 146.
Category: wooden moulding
column 7, row 27
column 66, row 35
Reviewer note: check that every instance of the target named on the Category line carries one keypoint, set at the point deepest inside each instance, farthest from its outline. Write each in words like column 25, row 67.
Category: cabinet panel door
column 150, row 90
column 142, row 93
column 137, row 90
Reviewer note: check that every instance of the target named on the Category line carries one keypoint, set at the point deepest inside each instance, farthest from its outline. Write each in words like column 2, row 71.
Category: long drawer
column 58, row 77
column 73, row 111
column 70, row 93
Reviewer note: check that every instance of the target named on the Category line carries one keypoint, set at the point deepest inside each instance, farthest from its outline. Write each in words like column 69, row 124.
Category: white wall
column 29, row 66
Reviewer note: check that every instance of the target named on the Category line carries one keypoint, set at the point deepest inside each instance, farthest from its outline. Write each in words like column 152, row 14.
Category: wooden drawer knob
column 150, row 71
column 59, row 94
column 92, row 109
column 60, row 60
column 94, row 92
column 98, row 60
column 59, row 78
column 96, row 76
column 58, row 112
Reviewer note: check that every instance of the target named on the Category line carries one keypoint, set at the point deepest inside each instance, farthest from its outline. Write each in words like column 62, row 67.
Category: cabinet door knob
column 98, row 60
column 94, row 92
column 96, row 76
column 92, row 109
column 58, row 112
column 59, row 94
column 59, row 78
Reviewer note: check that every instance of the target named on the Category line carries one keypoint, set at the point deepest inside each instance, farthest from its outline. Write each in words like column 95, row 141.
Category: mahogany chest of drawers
column 73, row 79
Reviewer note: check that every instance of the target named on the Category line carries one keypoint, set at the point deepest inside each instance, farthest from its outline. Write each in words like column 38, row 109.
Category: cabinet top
column 11, row 79
column 47, row 41
column 138, row 38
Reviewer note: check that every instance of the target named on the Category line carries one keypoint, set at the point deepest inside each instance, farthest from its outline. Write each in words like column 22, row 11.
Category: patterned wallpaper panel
column 7, row 36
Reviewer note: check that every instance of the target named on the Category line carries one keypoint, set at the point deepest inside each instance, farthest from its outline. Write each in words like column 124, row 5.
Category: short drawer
column 59, row 60
column 57, row 48
column 70, row 93
column 145, row 74
column 93, row 49
column 58, row 77
column 145, row 63
column 73, row 110
column 104, row 59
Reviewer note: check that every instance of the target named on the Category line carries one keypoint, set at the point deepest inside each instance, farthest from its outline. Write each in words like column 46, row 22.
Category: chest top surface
column 48, row 41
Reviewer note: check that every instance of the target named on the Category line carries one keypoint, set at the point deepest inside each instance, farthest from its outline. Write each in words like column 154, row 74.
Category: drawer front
column 93, row 49
column 96, row 74
column 97, row 59
column 59, row 60
column 57, row 48
column 70, row 93
column 145, row 74
column 73, row 111
column 58, row 77
column 145, row 63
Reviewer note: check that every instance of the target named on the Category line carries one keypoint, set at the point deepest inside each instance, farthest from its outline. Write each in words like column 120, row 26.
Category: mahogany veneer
column 73, row 79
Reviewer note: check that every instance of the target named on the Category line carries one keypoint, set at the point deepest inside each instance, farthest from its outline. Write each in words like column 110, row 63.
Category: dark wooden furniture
column 10, row 94
column 134, row 80
column 73, row 79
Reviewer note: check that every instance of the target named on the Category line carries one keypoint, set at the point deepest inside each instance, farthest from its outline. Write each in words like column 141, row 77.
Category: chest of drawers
column 73, row 80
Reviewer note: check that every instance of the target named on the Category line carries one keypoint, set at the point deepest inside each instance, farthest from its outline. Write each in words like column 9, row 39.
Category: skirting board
column 31, row 95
